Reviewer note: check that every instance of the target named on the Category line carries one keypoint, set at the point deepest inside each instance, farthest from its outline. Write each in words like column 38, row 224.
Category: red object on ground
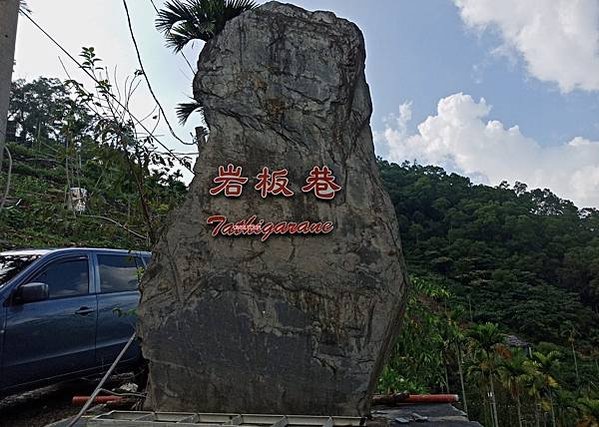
column 431, row 398
column 80, row 400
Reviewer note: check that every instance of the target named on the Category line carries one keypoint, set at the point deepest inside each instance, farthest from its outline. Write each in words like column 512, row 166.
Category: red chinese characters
column 229, row 181
column 273, row 183
column 322, row 182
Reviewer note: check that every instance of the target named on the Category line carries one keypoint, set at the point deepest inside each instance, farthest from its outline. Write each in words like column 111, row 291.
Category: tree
column 512, row 374
column 182, row 21
column 39, row 109
column 547, row 365
column 485, row 339
column 116, row 127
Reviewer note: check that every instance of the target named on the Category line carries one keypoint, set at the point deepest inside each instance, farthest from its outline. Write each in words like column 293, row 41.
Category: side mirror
column 31, row 292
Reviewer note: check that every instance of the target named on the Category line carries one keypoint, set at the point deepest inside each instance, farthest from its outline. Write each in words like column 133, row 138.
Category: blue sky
column 429, row 63
column 422, row 51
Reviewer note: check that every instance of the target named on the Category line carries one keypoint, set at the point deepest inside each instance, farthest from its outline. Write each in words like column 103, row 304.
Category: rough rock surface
column 295, row 324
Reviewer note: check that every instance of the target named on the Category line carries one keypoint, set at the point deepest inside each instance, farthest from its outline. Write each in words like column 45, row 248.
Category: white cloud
column 558, row 39
column 460, row 138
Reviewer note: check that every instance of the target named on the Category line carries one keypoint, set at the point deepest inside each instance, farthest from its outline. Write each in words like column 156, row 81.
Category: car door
column 56, row 336
column 118, row 297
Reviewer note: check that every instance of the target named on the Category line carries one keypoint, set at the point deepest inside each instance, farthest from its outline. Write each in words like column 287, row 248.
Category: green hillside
column 492, row 267
column 526, row 259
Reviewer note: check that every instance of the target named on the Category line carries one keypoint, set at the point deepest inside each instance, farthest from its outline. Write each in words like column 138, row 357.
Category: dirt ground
column 40, row 407
column 46, row 405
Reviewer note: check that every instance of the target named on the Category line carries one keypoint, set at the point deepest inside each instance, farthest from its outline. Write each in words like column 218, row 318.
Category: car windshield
column 12, row 264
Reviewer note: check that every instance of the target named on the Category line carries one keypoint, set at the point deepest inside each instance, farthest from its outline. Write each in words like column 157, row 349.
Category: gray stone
column 297, row 323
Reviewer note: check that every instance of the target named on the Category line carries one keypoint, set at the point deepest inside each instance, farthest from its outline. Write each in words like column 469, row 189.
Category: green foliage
column 39, row 109
column 104, row 156
column 417, row 361
column 502, row 261
column 524, row 259
column 182, row 21
column 589, row 410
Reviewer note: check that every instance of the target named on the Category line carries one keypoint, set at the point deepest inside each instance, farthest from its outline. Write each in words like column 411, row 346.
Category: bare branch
column 118, row 224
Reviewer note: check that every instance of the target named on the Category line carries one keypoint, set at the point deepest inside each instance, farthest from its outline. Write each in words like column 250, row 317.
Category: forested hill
column 523, row 258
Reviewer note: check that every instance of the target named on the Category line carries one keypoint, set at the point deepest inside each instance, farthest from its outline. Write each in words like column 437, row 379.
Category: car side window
column 66, row 278
column 118, row 273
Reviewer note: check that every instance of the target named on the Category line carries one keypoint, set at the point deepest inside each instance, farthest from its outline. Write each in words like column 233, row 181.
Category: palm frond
column 174, row 12
column 182, row 21
column 185, row 109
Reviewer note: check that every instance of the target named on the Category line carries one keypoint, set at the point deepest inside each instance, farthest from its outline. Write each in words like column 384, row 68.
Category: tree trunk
column 575, row 363
column 38, row 143
column 518, row 408
column 552, row 410
column 493, row 403
column 142, row 199
column 67, row 193
column 486, row 414
column 446, row 378
column 461, row 372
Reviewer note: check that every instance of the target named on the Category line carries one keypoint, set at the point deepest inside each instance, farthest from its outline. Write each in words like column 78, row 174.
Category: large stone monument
column 279, row 285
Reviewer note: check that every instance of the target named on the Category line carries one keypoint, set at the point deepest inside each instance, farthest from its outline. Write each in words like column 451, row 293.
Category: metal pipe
column 82, row 400
column 432, row 398
column 399, row 398
column 102, row 381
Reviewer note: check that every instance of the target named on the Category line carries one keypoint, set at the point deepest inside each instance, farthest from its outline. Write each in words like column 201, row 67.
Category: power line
column 182, row 54
column 141, row 66
column 114, row 98
column 154, row 5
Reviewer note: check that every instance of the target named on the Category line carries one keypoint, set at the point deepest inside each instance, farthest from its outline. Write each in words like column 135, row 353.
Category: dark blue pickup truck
column 65, row 313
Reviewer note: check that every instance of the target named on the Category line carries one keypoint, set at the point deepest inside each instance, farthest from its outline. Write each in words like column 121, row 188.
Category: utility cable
column 114, row 98
column 141, row 66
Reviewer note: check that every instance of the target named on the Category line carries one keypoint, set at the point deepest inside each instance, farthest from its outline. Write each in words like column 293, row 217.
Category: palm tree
column 455, row 339
column 512, row 373
column 485, row 340
column 477, row 371
column 533, row 383
column 566, row 405
column 182, row 21
column 546, row 365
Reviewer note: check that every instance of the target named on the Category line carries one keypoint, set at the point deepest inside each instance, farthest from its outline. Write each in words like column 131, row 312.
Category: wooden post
column 9, row 13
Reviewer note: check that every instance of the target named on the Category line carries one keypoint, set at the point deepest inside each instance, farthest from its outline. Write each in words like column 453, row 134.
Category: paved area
column 435, row 415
